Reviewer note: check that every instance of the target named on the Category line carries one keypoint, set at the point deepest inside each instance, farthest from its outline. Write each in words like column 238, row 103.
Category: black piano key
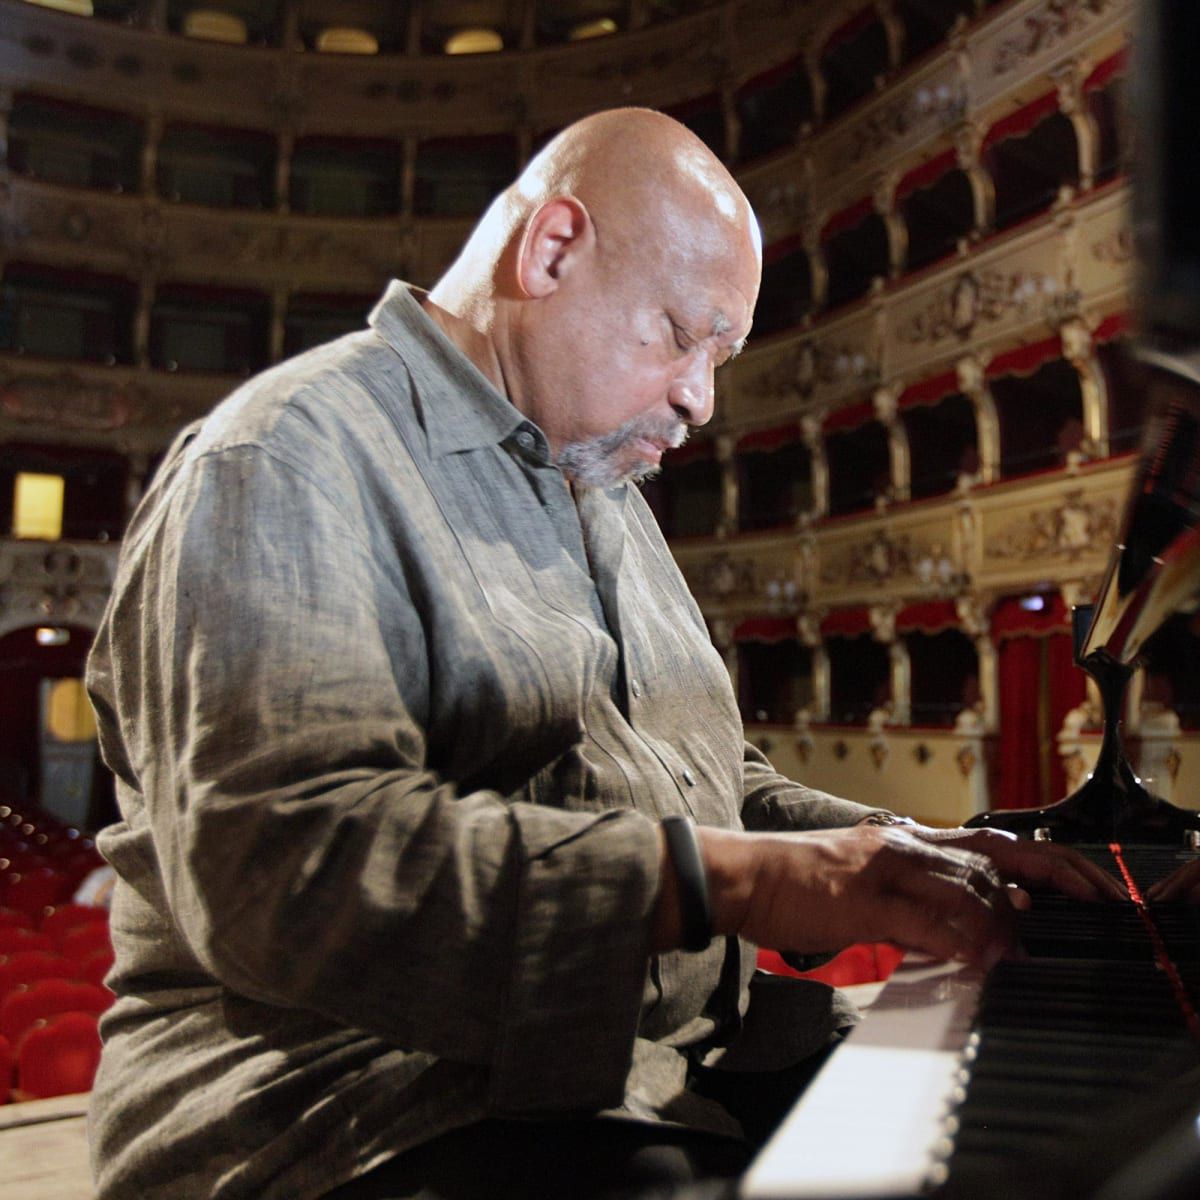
column 1088, row 1023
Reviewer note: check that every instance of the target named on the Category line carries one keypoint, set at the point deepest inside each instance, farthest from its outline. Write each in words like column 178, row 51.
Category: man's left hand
column 1044, row 864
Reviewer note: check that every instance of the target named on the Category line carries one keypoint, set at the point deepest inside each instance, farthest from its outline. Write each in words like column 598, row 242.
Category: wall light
column 343, row 39
column 77, row 8
column 212, row 25
column 38, row 506
column 474, row 41
column 47, row 635
column 601, row 27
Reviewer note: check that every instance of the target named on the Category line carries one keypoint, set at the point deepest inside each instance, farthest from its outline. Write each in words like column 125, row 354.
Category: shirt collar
column 461, row 410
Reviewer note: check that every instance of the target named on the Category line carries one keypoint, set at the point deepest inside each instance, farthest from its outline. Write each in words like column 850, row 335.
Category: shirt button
column 688, row 777
column 635, row 688
column 525, row 439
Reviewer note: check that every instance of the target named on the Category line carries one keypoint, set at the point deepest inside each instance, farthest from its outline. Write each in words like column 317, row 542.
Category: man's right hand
column 824, row 890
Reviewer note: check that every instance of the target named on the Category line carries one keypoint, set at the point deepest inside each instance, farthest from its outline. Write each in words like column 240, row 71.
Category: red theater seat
column 26, row 966
column 865, row 962
column 64, row 918
column 10, row 918
column 34, row 1002
column 34, row 890
column 84, row 940
column 13, row 939
column 6, row 1070
column 96, row 966
column 59, row 1057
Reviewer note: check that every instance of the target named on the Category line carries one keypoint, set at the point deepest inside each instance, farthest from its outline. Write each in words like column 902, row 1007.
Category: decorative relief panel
column 1051, row 529
column 899, row 555
column 837, row 361
column 66, row 581
column 1018, row 284
column 978, row 297
column 106, row 405
column 755, row 578
column 895, row 124
column 1018, row 289
column 780, row 192
column 1033, row 37
column 634, row 69
column 392, row 95
column 126, row 234
column 1068, row 530
column 1103, row 249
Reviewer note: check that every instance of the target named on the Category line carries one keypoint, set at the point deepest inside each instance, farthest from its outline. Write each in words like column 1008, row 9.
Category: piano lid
column 1155, row 569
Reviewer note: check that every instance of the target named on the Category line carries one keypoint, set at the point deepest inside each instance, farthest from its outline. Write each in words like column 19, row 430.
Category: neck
column 472, row 338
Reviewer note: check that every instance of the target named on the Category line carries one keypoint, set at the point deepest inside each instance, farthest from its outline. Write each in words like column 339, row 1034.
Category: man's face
column 628, row 351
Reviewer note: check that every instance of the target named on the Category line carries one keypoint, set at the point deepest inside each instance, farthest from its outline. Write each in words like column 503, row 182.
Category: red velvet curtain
column 1019, row 678
column 1039, row 684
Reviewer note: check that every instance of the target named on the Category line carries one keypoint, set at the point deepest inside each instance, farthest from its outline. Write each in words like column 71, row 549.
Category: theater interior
column 915, row 471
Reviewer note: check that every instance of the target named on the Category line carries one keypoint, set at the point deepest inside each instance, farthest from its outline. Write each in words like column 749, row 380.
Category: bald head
column 625, row 256
column 632, row 165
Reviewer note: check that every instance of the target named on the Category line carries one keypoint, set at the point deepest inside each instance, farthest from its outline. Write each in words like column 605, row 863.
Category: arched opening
column 48, row 751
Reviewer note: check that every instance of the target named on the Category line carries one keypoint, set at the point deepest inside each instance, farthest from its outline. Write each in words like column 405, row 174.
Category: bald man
column 411, row 714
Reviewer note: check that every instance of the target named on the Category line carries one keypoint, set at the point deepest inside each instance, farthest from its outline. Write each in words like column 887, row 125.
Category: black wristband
column 695, row 909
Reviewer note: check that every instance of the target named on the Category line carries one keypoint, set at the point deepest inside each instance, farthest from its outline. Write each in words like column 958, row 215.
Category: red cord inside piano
column 1161, row 956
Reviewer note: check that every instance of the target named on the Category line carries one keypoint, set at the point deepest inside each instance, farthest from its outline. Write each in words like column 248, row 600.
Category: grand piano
column 1074, row 1072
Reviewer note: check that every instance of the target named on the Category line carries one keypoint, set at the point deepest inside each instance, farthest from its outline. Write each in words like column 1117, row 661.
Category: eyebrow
column 721, row 324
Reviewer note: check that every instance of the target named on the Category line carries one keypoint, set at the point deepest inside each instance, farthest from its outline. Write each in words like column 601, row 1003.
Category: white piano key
column 848, row 1137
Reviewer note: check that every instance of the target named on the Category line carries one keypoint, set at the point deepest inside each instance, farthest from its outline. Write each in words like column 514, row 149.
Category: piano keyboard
column 971, row 1088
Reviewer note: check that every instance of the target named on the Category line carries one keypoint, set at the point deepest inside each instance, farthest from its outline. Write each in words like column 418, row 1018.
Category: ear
column 553, row 240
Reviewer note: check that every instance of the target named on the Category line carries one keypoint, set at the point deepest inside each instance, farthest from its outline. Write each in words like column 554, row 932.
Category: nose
column 692, row 391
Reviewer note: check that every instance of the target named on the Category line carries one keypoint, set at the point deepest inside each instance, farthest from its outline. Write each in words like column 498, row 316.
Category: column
column 139, row 464
column 1093, row 389
column 6, row 102
column 971, row 383
column 148, row 168
column 412, row 35
column 147, row 286
column 527, row 38
column 899, row 458
column 279, row 306
column 727, row 522
column 289, row 34
column 408, row 176
column 153, row 15
column 284, row 149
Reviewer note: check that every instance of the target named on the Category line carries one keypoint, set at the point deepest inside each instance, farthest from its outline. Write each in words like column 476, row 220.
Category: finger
column 1044, row 863
column 916, row 925
column 962, row 892
column 1183, row 884
column 1019, row 898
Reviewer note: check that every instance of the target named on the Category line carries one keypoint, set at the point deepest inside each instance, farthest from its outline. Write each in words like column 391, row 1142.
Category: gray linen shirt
column 393, row 719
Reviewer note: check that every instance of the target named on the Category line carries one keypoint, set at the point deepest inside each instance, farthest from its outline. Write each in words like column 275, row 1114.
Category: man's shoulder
column 328, row 397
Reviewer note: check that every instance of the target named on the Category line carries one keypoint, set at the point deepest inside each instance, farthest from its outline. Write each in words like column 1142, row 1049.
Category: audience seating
column 33, row 1002
column 14, row 938
column 54, row 955
column 58, row 1056
column 865, row 962
column 26, row 966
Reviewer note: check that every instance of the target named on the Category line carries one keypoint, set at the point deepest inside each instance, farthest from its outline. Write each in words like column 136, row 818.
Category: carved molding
column 63, row 581
column 1076, row 527
column 1053, row 25
column 978, row 297
column 104, row 406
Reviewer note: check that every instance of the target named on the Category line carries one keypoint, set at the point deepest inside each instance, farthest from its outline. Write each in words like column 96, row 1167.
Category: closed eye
column 682, row 341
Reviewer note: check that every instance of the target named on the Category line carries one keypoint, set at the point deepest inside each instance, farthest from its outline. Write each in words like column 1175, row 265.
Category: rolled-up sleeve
column 773, row 802
column 309, row 856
